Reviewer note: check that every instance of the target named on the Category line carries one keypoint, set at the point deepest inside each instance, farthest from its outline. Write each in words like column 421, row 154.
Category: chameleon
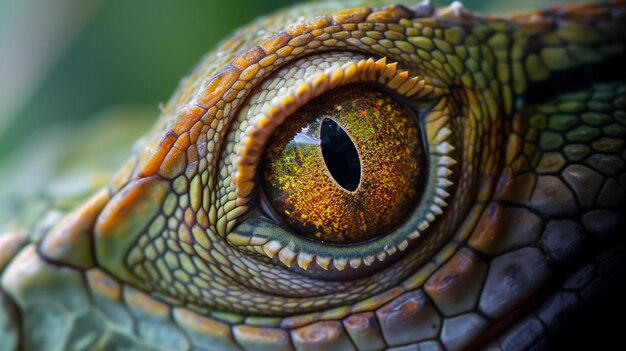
column 473, row 196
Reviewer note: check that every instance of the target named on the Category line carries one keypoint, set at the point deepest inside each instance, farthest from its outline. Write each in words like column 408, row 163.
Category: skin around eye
column 345, row 168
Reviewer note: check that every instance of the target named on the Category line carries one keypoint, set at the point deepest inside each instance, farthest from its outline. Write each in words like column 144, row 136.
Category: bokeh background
column 80, row 80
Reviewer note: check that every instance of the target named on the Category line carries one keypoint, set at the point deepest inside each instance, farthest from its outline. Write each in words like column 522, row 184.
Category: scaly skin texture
column 518, row 232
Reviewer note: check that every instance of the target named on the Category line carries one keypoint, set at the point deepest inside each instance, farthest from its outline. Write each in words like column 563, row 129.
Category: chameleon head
column 462, row 175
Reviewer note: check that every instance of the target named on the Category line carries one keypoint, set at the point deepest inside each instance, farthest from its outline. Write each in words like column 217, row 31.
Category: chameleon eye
column 339, row 159
column 346, row 167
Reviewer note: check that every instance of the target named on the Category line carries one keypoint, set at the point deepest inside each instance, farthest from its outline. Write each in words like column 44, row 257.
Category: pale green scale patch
column 196, row 192
column 150, row 253
column 164, row 271
column 183, row 202
column 158, row 331
column 170, row 204
column 159, row 243
column 88, row 329
column 422, row 42
column 171, row 260
column 48, row 324
column 405, row 46
column 116, row 313
column 157, row 226
column 181, row 185
column 182, row 277
column 52, row 299
column 172, row 223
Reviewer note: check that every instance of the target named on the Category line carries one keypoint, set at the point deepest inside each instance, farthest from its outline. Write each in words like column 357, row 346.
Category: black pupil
column 340, row 155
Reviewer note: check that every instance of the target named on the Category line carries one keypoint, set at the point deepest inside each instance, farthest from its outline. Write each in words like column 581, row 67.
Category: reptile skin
column 517, row 243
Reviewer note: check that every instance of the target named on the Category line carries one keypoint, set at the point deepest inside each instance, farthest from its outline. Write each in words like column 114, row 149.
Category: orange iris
column 346, row 167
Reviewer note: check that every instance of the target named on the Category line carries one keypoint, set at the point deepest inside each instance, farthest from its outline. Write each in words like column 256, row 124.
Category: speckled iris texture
column 304, row 193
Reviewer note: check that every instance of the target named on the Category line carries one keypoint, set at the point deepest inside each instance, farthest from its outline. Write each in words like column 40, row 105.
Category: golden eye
column 346, row 167
column 347, row 174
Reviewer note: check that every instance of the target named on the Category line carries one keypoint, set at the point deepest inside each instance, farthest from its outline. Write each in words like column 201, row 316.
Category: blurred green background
column 80, row 79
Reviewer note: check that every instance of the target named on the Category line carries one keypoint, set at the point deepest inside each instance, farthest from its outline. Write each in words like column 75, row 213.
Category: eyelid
column 261, row 115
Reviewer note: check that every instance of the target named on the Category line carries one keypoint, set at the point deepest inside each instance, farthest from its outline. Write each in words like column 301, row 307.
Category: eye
column 346, row 167
column 346, row 173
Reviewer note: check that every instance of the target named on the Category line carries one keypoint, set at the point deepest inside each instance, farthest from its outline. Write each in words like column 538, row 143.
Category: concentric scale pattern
column 516, row 235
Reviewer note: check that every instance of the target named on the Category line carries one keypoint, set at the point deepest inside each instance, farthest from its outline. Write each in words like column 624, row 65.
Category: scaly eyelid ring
column 289, row 248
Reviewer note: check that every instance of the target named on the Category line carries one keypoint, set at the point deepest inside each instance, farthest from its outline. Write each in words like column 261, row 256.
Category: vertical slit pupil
column 340, row 155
